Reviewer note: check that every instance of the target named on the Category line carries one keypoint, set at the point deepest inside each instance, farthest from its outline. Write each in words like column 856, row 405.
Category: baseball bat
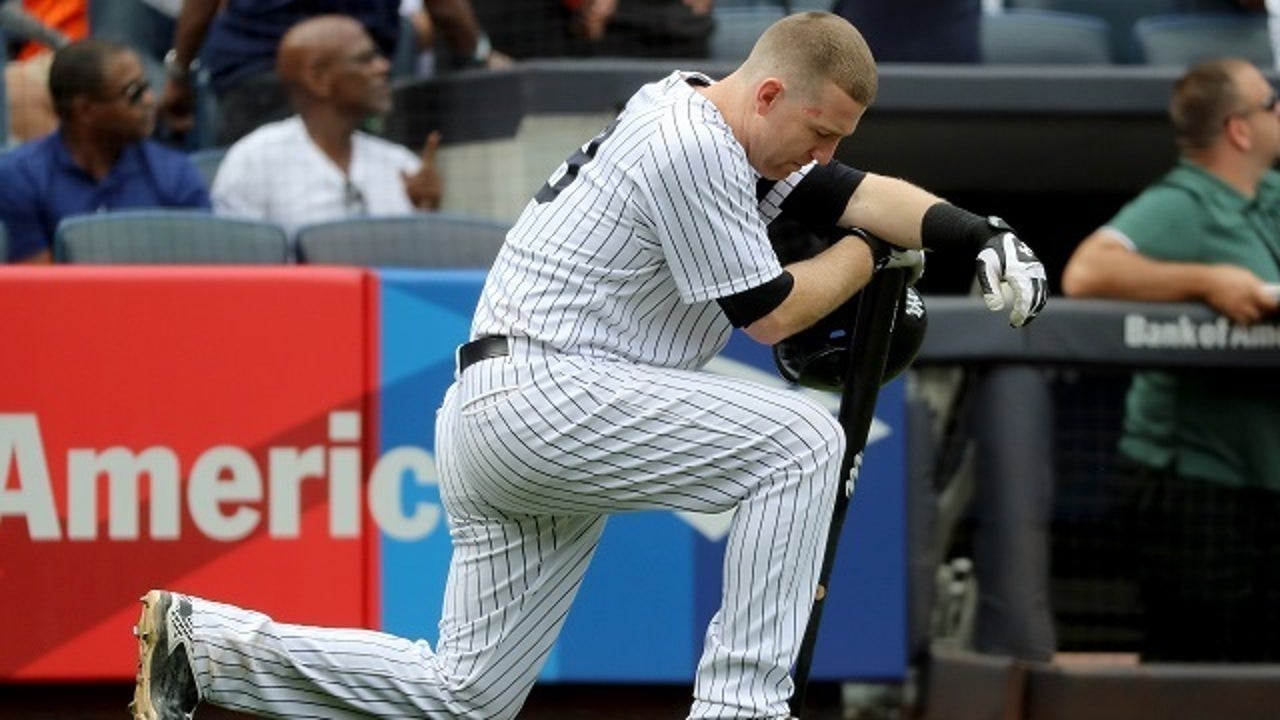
column 872, row 324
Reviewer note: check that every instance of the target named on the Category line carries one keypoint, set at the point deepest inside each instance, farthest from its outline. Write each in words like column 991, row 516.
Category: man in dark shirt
column 918, row 31
column 99, row 159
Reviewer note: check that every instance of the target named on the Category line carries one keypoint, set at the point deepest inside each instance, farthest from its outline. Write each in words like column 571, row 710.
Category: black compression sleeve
column 947, row 226
column 822, row 195
column 749, row 306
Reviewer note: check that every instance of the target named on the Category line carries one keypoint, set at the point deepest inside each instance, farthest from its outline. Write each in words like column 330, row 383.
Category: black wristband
column 946, row 226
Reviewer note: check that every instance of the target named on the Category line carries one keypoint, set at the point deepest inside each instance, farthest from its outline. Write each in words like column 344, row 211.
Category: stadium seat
column 808, row 5
column 737, row 29
column 4, row 244
column 436, row 240
column 168, row 237
column 207, row 161
column 1121, row 15
column 1187, row 38
column 1045, row 37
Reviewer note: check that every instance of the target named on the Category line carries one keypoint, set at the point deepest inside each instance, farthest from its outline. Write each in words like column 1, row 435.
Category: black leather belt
column 484, row 348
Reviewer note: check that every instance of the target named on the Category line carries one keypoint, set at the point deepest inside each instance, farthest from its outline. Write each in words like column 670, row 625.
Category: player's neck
column 726, row 95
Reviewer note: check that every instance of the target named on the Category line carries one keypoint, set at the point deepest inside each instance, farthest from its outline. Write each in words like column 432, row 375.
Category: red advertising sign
column 199, row 429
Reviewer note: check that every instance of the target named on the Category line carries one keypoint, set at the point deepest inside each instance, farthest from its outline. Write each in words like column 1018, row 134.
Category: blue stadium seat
column 807, row 5
column 429, row 240
column 1187, row 38
column 1122, row 15
column 738, row 27
column 169, row 237
column 207, row 162
column 1045, row 37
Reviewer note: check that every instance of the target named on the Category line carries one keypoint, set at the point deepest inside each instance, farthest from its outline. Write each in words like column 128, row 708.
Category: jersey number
column 568, row 170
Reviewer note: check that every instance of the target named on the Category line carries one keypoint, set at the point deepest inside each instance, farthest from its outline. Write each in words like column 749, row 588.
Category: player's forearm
column 822, row 283
column 890, row 209
column 1102, row 267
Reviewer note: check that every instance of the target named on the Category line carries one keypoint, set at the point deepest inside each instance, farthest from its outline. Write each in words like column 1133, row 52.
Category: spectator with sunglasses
column 100, row 159
column 1199, row 448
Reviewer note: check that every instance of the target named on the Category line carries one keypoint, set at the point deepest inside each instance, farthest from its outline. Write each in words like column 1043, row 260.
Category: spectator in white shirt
column 317, row 165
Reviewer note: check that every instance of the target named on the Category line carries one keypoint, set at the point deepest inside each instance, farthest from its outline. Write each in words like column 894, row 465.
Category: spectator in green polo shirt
column 1203, row 447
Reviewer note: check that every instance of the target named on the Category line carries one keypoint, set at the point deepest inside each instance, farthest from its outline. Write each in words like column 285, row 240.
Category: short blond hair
column 806, row 47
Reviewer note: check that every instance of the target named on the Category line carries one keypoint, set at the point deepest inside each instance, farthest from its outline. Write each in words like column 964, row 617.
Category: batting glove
column 886, row 256
column 1009, row 272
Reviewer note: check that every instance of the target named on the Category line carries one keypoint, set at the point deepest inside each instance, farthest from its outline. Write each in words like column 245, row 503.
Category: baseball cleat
column 166, row 686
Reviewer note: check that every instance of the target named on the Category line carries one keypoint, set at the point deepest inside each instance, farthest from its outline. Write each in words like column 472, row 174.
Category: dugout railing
column 1043, row 406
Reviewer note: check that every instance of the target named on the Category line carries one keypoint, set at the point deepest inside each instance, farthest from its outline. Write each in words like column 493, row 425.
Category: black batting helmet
column 817, row 357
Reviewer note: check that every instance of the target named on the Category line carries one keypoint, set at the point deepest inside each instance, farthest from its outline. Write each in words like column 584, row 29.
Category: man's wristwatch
column 175, row 70
column 480, row 57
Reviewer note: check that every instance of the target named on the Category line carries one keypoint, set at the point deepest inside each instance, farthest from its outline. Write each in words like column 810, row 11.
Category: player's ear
column 768, row 92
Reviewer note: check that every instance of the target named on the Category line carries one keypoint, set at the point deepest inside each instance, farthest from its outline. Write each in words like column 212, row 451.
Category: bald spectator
column 99, row 159
column 318, row 165
column 238, row 40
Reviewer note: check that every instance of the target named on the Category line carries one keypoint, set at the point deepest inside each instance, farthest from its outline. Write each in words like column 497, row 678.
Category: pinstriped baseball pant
column 533, row 454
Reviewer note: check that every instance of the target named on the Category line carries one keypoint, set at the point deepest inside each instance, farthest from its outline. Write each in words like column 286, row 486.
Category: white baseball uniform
column 606, row 289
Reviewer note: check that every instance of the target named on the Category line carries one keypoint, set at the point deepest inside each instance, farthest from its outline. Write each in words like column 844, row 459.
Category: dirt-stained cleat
column 166, row 686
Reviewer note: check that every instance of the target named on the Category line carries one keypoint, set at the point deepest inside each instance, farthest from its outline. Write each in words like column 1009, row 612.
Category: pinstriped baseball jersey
column 607, row 289
column 624, row 250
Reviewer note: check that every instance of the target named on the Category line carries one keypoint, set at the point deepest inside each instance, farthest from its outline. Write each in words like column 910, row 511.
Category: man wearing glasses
column 99, row 159
column 1199, row 449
